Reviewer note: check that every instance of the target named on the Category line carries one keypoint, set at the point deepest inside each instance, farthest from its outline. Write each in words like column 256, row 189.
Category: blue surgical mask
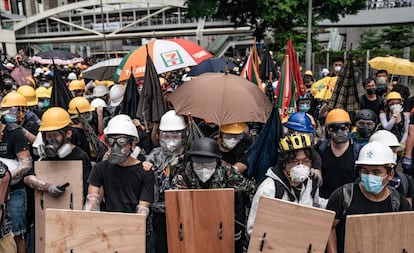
column 372, row 183
column 304, row 107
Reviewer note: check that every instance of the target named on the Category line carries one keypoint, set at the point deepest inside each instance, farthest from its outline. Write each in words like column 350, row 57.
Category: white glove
column 396, row 109
column 142, row 210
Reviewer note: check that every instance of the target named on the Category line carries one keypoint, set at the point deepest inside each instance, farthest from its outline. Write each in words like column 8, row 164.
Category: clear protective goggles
column 121, row 141
column 232, row 136
column 169, row 135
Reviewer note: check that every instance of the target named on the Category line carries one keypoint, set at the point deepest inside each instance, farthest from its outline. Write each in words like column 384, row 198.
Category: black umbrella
column 345, row 94
column 268, row 69
column 131, row 97
column 61, row 95
column 211, row 65
column 151, row 104
column 262, row 154
column 56, row 56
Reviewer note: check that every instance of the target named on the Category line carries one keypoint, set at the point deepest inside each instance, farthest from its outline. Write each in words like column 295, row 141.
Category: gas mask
column 339, row 132
column 204, row 171
column 86, row 116
column 171, row 144
column 118, row 151
column 299, row 173
column 54, row 148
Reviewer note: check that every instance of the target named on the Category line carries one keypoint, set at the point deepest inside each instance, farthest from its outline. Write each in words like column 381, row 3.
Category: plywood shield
column 59, row 173
column 86, row 232
column 200, row 221
column 282, row 226
column 380, row 233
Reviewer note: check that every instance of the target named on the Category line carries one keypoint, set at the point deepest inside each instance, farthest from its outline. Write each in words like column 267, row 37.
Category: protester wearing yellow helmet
column 393, row 118
column 77, row 87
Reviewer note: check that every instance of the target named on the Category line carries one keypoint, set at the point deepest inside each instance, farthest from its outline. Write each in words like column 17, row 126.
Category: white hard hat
column 72, row 76
column 375, row 153
column 170, row 121
column 98, row 102
column 385, row 137
column 100, row 90
column 116, row 94
column 121, row 124
column 38, row 71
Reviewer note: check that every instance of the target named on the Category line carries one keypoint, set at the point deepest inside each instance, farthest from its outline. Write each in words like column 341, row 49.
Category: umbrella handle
column 190, row 118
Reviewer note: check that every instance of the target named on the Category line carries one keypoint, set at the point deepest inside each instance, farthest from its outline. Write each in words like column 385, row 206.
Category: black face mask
column 340, row 137
column 364, row 132
column 371, row 91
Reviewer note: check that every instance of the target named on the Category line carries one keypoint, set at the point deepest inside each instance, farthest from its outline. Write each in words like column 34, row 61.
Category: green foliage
column 369, row 39
column 397, row 36
column 283, row 16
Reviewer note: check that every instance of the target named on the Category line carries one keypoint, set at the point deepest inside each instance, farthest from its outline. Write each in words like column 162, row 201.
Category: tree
column 397, row 36
column 370, row 39
column 283, row 16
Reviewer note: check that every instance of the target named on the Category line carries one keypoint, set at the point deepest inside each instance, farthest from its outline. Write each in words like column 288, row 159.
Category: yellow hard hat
column 308, row 72
column 70, row 65
column 45, row 69
column 77, row 85
column 54, row 118
column 13, row 99
column 235, row 128
column 393, row 95
column 337, row 116
column 29, row 93
column 42, row 92
column 80, row 104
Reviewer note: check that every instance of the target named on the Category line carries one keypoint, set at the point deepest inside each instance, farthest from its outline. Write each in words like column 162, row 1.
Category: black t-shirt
column 337, row 171
column 236, row 155
column 316, row 160
column 374, row 105
column 77, row 154
column 14, row 142
column 79, row 139
column 124, row 187
column 359, row 205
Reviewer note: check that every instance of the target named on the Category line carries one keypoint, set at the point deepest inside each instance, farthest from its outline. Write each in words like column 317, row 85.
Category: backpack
column 348, row 192
column 5, row 179
column 356, row 147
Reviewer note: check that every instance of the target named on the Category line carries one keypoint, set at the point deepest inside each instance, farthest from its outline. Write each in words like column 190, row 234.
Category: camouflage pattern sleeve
column 178, row 182
column 236, row 180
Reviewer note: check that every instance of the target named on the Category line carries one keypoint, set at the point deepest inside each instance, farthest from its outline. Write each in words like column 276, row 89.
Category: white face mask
column 230, row 143
column 381, row 80
column 395, row 106
column 299, row 173
column 337, row 68
column 204, row 171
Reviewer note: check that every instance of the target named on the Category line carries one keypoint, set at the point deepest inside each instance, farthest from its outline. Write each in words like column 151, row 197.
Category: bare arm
column 332, row 246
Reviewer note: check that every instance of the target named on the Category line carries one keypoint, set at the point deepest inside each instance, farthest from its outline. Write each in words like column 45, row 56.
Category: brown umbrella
column 222, row 98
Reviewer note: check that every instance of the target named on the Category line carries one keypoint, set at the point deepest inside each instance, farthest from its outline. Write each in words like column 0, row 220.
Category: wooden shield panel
column 200, row 221
column 59, row 173
column 380, row 233
column 86, row 232
column 282, row 226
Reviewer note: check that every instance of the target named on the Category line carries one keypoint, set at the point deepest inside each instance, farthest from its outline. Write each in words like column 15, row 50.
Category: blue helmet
column 301, row 122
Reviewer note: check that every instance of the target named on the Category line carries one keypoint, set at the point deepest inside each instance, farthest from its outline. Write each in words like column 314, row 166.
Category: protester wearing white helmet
column 128, row 188
column 401, row 181
column 116, row 94
column 369, row 195
column 72, row 76
column 101, row 91
column 165, row 160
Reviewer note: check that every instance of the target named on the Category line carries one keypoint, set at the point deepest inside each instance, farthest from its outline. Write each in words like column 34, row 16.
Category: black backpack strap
column 404, row 182
column 280, row 191
column 348, row 193
column 395, row 199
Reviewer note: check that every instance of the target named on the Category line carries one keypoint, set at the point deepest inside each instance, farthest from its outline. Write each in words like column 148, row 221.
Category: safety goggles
column 210, row 166
column 167, row 135
column 338, row 126
column 233, row 136
column 365, row 124
column 120, row 141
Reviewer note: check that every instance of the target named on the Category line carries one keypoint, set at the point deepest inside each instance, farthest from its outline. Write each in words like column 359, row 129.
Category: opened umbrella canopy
column 167, row 55
column 393, row 65
column 103, row 70
column 222, row 98
column 60, row 57
column 212, row 65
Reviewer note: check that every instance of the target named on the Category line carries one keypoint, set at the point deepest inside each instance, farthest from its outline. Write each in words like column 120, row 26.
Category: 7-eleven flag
column 286, row 91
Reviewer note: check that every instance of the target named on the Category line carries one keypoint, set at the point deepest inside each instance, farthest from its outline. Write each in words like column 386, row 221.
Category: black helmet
column 205, row 146
column 366, row 114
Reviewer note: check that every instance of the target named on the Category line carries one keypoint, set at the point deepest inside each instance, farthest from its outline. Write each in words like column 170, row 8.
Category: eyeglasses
column 120, row 141
column 336, row 127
